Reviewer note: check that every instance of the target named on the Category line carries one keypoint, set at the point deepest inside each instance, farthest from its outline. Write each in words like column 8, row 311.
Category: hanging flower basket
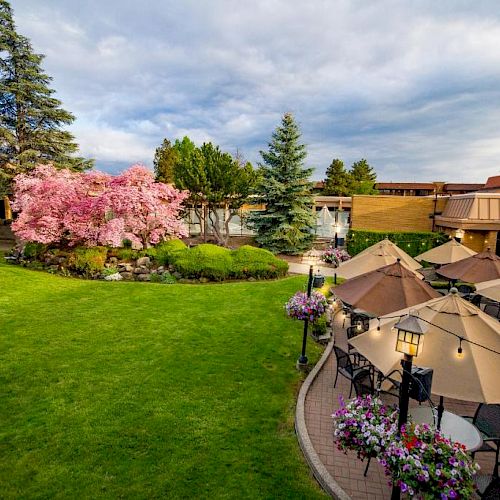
column 300, row 306
column 335, row 256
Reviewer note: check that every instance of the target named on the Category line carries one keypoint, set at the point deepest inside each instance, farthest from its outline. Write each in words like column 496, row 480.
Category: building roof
column 404, row 185
column 462, row 187
column 492, row 183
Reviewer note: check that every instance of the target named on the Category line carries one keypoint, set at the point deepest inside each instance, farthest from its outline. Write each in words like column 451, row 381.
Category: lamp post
column 409, row 342
column 459, row 234
column 302, row 361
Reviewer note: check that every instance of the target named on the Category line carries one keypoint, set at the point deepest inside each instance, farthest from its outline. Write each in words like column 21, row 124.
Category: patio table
column 453, row 426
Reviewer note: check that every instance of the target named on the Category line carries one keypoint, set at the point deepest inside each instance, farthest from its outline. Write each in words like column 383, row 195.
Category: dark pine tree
column 31, row 119
column 337, row 182
column 363, row 178
column 286, row 225
column 166, row 156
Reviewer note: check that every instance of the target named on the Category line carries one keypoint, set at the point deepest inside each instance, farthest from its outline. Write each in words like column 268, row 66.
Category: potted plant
column 302, row 307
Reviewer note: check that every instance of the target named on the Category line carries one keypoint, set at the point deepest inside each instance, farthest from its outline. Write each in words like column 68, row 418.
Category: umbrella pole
column 440, row 409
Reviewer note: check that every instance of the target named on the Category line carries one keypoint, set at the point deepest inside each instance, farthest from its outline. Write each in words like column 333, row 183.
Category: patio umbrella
column 389, row 288
column 483, row 266
column 473, row 377
column 489, row 289
column 451, row 251
column 369, row 261
column 324, row 222
column 392, row 249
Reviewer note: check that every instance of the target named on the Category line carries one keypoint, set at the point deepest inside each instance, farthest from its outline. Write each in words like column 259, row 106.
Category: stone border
column 318, row 469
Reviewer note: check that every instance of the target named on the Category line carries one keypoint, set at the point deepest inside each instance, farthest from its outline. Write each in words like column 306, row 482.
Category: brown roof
column 462, row 187
column 404, row 185
column 493, row 182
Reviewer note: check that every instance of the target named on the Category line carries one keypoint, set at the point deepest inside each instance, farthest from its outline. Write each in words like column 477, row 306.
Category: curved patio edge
column 318, row 469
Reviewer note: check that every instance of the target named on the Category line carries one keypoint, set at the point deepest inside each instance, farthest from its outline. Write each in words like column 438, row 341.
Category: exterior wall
column 475, row 240
column 394, row 213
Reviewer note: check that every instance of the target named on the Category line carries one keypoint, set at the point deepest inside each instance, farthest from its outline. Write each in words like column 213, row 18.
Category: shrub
column 254, row 262
column 108, row 271
column 88, row 261
column 204, row 261
column 34, row 250
column 167, row 251
column 413, row 243
column 126, row 254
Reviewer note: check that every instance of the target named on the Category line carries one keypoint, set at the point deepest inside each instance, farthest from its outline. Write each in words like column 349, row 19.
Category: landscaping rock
column 127, row 275
column 251, row 279
column 114, row 277
column 144, row 261
column 160, row 269
column 143, row 277
column 177, row 275
column 187, row 281
column 141, row 270
column 126, row 267
column 113, row 260
column 204, row 280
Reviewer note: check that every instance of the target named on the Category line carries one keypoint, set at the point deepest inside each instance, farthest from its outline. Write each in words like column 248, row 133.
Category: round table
column 453, row 426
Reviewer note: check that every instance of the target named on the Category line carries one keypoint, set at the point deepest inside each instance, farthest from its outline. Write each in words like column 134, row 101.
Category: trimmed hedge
column 204, row 261
column 251, row 262
column 217, row 264
column 167, row 251
column 413, row 243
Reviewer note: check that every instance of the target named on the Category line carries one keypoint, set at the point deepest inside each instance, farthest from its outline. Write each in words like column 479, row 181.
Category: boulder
column 144, row 261
column 114, row 277
column 204, row 280
column 143, row 277
column 141, row 270
column 126, row 267
column 113, row 260
column 127, row 275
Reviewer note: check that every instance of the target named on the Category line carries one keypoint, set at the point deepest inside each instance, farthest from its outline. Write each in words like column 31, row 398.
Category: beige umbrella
column 384, row 290
column 369, row 261
column 451, row 251
column 392, row 249
column 483, row 266
column 489, row 289
column 324, row 222
column 472, row 377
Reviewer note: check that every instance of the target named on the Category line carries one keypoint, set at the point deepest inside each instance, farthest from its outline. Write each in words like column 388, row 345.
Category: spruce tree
column 166, row 156
column 337, row 182
column 363, row 178
column 31, row 119
column 286, row 225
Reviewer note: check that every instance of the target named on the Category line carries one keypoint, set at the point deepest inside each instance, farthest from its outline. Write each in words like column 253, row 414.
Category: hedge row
column 218, row 264
column 413, row 243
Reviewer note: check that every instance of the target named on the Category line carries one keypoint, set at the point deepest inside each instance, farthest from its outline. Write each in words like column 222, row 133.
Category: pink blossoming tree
column 93, row 208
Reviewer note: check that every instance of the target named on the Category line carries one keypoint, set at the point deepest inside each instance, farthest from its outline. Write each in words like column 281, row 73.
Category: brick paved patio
column 322, row 400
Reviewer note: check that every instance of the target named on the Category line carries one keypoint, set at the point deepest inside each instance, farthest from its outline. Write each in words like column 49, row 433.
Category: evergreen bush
column 167, row 251
column 88, row 261
column 254, row 262
column 412, row 242
column 204, row 261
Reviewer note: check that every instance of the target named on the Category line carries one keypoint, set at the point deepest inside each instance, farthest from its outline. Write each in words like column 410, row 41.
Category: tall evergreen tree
column 166, row 156
column 337, row 182
column 31, row 119
column 363, row 178
column 287, row 223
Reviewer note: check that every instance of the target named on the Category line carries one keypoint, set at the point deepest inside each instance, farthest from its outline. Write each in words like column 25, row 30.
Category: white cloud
column 412, row 87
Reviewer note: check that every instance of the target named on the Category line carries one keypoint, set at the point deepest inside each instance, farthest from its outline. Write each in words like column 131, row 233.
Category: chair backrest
column 363, row 383
column 343, row 359
column 487, row 420
column 352, row 331
column 492, row 310
column 464, row 288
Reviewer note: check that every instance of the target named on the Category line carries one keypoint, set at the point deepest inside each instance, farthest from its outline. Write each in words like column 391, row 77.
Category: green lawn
column 141, row 390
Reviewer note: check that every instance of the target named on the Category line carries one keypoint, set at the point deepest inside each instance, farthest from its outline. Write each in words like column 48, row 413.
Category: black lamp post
column 302, row 361
column 409, row 342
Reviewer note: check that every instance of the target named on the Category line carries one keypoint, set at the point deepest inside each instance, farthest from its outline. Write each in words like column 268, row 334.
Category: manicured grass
column 143, row 390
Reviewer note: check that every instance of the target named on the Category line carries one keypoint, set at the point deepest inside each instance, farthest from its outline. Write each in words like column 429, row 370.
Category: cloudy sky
column 413, row 87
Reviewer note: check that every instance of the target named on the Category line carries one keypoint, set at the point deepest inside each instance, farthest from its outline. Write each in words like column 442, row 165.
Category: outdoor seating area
column 454, row 378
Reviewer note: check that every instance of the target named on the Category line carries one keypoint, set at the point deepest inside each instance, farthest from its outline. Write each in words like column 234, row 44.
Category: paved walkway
column 322, row 400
